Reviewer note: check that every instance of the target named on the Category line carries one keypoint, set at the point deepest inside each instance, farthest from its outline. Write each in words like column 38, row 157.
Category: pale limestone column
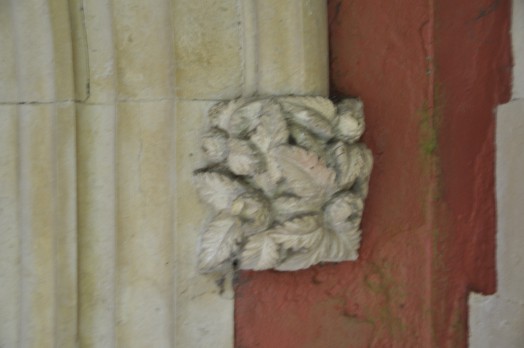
column 126, row 174
column 102, row 106
column 38, row 280
column 227, row 49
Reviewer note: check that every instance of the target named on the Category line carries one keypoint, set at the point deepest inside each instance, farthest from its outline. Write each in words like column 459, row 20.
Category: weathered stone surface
column 103, row 153
column 144, row 61
column 208, row 49
column 96, row 158
column 9, row 225
column 38, row 223
column 36, row 52
column 292, row 46
column 95, row 70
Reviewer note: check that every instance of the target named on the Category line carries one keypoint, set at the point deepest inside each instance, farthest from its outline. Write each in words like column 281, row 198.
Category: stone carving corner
column 286, row 179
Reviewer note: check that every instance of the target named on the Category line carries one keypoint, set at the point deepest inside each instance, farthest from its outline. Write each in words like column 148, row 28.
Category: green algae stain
column 430, row 121
column 383, row 285
column 428, row 141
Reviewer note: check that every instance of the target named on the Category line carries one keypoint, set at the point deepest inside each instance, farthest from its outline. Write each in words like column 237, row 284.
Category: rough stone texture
column 430, row 83
column 495, row 322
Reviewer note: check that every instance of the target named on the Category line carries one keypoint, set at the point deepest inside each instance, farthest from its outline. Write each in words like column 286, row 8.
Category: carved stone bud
column 214, row 145
column 349, row 123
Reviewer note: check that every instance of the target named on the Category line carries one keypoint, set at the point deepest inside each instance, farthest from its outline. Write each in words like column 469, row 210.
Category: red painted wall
column 430, row 74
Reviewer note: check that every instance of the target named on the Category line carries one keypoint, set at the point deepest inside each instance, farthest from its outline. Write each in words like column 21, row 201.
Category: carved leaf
column 304, row 174
column 333, row 247
column 301, row 260
column 349, row 123
column 299, row 233
column 259, row 253
column 219, row 242
column 321, row 105
column 243, row 158
column 220, row 114
column 253, row 209
column 337, row 247
column 305, row 139
column 272, row 129
column 246, row 118
column 288, row 207
column 362, row 182
column 352, row 225
column 309, row 119
column 348, row 161
column 344, row 212
column 264, row 182
column 217, row 189
column 214, row 145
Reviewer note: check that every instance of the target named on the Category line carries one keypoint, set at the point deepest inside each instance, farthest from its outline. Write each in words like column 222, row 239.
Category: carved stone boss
column 286, row 179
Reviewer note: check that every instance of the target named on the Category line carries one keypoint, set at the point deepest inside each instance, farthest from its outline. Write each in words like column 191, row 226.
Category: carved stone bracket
column 286, row 179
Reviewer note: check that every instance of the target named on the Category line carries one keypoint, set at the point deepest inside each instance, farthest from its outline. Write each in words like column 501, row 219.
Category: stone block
column 143, row 37
column 208, row 49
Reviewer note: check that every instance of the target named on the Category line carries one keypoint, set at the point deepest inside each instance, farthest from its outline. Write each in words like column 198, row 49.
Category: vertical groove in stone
column 79, row 47
column 249, row 46
column 9, row 227
column 65, row 226
column 96, row 162
column 37, row 229
column 99, row 54
column 95, row 77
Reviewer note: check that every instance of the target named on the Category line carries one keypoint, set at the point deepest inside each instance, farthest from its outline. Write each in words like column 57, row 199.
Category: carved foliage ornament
column 286, row 179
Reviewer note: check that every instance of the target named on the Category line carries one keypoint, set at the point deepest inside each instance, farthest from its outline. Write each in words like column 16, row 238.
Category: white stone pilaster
column 103, row 103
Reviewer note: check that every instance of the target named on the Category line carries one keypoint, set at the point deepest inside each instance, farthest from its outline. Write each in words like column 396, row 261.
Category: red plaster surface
column 430, row 74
